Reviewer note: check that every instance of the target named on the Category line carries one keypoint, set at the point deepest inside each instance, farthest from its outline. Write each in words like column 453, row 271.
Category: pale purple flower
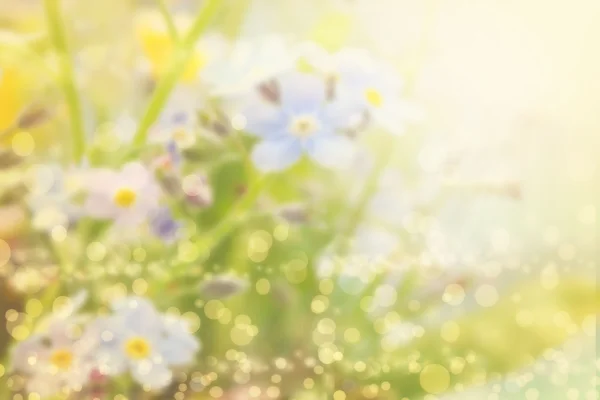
column 128, row 196
column 178, row 122
column 164, row 225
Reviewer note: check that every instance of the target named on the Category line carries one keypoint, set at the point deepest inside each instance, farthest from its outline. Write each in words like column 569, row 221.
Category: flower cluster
column 71, row 350
column 268, row 184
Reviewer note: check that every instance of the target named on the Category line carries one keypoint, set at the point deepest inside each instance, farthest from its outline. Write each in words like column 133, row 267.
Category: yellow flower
column 12, row 96
column 158, row 46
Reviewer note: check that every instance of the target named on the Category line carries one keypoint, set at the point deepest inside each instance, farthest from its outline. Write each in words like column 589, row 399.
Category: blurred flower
column 158, row 46
column 197, row 190
column 164, row 225
column 295, row 213
column 302, row 122
column 127, row 196
column 11, row 96
column 375, row 86
column 58, row 358
column 51, row 196
column 178, row 122
column 30, row 279
column 124, row 127
column 251, row 62
column 138, row 339
column 223, row 286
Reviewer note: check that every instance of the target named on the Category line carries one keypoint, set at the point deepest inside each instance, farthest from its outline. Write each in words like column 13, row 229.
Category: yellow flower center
column 304, row 126
column 62, row 359
column 374, row 97
column 125, row 197
column 137, row 348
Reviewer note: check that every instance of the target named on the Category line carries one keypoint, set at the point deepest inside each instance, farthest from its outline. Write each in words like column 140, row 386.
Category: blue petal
column 301, row 93
column 332, row 151
column 263, row 119
column 276, row 154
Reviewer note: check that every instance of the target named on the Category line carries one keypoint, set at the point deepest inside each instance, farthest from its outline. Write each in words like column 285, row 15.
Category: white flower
column 251, row 62
column 56, row 359
column 51, row 196
column 374, row 85
column 127, row 196
column 138, row 339
column 178, row 122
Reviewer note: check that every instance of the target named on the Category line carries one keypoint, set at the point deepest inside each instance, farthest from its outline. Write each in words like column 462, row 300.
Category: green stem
column 369, row 189
column 237, row 214
column 56, row 31
column 371, row 184
column 213, row 237
column 166, row 13
column 234, row 18
column 178, row 63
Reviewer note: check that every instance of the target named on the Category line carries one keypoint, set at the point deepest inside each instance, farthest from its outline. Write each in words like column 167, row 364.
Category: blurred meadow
column 299, row 199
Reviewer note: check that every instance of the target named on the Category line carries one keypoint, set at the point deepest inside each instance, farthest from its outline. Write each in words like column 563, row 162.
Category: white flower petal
column 153, row 375
column 302, row 92
column 276, row 154
column 261, row 118
column 99, row 205
column 390, row 118
column 44, row 384
column 332, row 151
column 26, row 354
column 135, row 175
column 138, row 315
column 178, row 346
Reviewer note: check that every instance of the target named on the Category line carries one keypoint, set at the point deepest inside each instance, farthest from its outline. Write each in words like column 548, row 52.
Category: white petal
column 138, row 315
column 302, row 92
column 78, row 375
column 390, row 119
column 110, row 360
column 130, row 218
column 28, row 351
column 135, row 175
column 179, row 347
column 332, row 151
column 276, row 154
column 260, row 117
column 100, row 181
column 99, row 206
column 153, row 375
column 105, row 336
column 44, row 384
